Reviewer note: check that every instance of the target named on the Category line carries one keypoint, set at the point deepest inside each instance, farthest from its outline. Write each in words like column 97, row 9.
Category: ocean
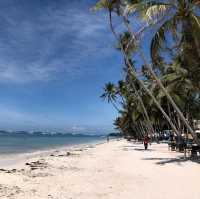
column 13, row 143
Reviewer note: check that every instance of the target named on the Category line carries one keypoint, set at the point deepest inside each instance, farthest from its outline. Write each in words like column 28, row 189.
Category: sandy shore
column 114, row 170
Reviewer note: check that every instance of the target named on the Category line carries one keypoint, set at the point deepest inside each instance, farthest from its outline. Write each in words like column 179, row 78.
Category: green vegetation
column 164, row 90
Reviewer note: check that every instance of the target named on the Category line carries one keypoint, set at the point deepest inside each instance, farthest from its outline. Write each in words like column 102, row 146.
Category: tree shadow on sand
column 178, row 161
column 135, row 148
column 140, row 149
column 130, row 146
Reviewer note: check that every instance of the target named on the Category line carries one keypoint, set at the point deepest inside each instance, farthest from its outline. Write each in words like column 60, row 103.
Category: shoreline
column 17, row 159
column 18, row 144
column 115, row 169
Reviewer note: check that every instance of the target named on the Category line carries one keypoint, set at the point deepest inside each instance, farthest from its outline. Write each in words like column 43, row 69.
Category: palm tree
column 177, row 109
column 178, row 20
column 113, row 5
column 181, row 88
column 183, row 24
column 118, row 7
column 110, row 94
column 135, row 88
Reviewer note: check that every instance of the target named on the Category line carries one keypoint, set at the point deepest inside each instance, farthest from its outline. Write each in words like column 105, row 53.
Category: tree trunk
column 141, row 102
column 163, row 88
column 140, row 81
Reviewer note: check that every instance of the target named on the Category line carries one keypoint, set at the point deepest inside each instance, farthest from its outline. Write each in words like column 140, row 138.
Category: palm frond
column 196, row 19
column 155, row 11
column 102, row 4
column 106, row 4
column 159, row 39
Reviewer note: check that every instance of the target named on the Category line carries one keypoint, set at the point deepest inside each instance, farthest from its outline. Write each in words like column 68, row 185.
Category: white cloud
column 43, row 47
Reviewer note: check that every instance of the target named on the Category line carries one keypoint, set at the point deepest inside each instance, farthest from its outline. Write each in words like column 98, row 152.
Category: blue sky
column 55, row 57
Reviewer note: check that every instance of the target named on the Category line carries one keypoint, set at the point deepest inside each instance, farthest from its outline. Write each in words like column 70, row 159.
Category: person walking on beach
column 146, row 142
column 107, row 138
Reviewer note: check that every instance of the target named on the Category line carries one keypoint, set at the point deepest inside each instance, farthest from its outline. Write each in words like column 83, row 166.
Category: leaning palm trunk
column 137, row 131
column 150, row 127
column 180, row 114
column 144, row 109
column 140, row 81
column 149, row 67
column 141, row 129
column 174, row 117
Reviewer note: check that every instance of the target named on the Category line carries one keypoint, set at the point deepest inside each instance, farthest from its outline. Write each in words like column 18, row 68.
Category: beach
column 113, row 170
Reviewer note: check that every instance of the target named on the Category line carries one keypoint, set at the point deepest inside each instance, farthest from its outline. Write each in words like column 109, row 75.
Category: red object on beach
column 146, row 140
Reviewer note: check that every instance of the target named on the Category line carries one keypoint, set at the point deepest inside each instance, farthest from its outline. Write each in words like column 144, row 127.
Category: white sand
column 115, row 170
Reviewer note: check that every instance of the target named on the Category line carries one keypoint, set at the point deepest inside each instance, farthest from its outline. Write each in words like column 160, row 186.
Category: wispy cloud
column 27, row 120
column 50, row 42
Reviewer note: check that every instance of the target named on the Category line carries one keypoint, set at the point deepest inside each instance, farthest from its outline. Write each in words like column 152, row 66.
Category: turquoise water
column 10, row 144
